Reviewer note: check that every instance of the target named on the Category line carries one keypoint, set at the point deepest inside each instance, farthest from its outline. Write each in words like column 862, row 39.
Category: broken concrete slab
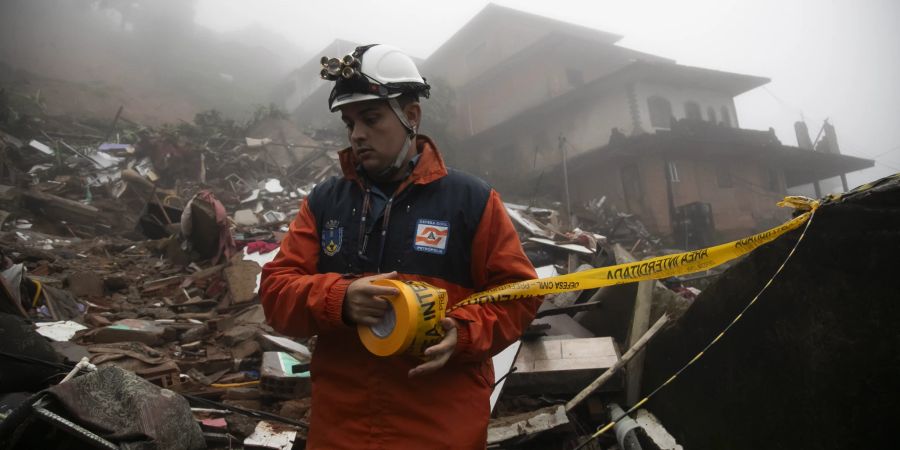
column 235, row 335
column 241, row 278
column 526, row 424
column 246, row 218
column 59, row 331
column 252, row 315
column 655, row 431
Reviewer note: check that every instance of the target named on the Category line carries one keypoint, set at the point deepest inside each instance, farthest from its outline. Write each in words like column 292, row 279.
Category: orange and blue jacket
column 442, row 227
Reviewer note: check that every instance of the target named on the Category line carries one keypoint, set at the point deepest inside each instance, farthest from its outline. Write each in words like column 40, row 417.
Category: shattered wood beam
column 526, row 424
column 639, row 322
column 84, row 213
column 637, row 347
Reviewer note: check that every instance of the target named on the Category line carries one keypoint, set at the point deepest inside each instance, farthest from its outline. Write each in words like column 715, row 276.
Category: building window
column 726, row 117
column 631, row 186
column 692, row 111
column 672, row 172
column 773, row 182
column 711, row 115
column 723, row 176
column 660, row 112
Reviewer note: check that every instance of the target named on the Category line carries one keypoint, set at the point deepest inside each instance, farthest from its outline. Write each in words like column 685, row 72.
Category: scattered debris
column 272, row 436
column 59, row 331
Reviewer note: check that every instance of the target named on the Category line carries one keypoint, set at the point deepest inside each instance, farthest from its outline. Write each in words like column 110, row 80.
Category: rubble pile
column 140, row 249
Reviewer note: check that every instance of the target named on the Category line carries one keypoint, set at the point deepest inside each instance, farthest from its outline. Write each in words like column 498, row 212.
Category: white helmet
column 372, row 72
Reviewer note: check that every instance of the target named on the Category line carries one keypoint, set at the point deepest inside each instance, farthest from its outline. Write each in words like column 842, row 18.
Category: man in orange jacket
column 399, row 213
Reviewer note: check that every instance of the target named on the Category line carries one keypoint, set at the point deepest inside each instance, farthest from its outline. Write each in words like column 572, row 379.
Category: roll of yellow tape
column 412, row 324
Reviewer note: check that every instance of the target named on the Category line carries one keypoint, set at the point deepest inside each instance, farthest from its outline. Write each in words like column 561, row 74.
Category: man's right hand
column 362, row 305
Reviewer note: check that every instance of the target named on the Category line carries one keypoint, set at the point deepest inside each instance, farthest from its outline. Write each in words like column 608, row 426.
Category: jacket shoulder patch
column 332, row 237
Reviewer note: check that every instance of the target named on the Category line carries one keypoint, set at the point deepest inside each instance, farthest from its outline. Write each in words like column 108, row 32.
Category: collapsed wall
column 815, row 362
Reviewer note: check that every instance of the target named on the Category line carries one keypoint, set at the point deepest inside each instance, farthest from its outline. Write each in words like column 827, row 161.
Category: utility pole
column 570, row 219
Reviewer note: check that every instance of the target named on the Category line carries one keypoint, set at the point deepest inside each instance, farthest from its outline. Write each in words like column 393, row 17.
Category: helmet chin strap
column 410, row 137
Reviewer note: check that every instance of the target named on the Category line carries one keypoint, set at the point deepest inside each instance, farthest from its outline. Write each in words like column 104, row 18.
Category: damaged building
column 656, row 139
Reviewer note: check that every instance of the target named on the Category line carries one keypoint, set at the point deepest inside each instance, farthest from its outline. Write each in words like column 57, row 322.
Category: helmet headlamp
column 334, row 68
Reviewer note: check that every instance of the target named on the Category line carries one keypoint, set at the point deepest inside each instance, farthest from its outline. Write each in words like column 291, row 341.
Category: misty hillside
column 89, row 57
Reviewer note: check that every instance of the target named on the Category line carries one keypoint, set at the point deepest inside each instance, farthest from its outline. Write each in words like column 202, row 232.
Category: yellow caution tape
column 418, row 308
column 648, row 269
column 412, row 324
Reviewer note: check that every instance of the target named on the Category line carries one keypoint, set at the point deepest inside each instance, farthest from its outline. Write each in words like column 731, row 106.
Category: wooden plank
column 541, row 350
column 588, row 348
column 639, row 324
column 551, row 365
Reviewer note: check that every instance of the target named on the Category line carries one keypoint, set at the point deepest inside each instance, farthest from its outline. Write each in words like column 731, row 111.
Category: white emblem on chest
column 432, row 236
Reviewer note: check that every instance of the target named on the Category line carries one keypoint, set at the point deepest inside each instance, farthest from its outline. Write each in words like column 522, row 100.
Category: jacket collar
column 430, row 167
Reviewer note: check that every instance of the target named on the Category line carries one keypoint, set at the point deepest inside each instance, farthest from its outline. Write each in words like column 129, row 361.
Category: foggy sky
column 835, row 59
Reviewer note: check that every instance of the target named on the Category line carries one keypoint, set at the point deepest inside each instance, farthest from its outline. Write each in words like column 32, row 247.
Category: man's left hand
column 439, row 353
